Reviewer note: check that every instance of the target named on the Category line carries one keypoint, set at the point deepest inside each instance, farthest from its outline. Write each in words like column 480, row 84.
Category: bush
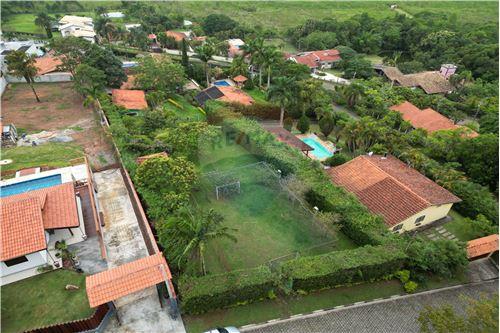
column 258, row 110
column 476, row 199
column 337, row 159
column 288, row 123
column 201, row 294
column 410, row 287
column 343, row 267
column 303, row 124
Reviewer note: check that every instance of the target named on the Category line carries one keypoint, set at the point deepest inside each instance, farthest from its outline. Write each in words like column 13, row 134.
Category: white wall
column 46, row 78
column 432, row 214
column 34, row 261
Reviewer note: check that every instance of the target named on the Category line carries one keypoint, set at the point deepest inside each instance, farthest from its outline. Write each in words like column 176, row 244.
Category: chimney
column 447, row 70
column 384, row 157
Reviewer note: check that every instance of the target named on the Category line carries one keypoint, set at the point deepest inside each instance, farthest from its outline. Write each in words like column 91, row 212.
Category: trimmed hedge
column 343, row 267
column 258, row 110
column 201, row 294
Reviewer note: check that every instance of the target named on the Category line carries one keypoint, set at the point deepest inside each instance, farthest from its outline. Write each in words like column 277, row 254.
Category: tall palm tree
column 105, row 28
column 196, row 231
column 254, row 49
column 270, row 56
column 238, row 66
column 352, row 93
column 281, row 93
column 22, row 65
column 45, row 21
column 205, row 53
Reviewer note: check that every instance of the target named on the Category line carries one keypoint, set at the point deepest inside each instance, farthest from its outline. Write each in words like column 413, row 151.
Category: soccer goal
column 227, row 190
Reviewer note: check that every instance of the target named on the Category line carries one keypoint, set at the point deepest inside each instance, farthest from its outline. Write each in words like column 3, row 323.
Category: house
column 131, row 26
column 77, row 26
column 113, row 15
column 226, row 94
column 176, row 35
column 428, row 119
column 431, row 82
column 130, row 99
column 47, row 64
column 316, row 59
column 235, row 47
column 39, row 209
column 405, row 198
column 482, row 247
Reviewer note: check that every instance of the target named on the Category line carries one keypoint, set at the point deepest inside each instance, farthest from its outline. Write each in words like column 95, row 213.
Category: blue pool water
column 319, row 151
column 30, row 185
column 222, row 83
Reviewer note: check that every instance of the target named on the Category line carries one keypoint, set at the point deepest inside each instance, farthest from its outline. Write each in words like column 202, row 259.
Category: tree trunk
column 202, row 261
column 282, row 115
column 260, row 76
column 268, row 77
column 206, row 71
column 32, row 88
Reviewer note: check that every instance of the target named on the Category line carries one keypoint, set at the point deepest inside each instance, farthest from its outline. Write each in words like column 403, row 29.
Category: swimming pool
column 320, row 152
column 222, row 83
column 30, row 185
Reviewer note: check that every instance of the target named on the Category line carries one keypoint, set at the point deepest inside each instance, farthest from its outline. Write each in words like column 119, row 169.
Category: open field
column 184, row 110
column 267, row 223
column 42, row 300
column 61, row 108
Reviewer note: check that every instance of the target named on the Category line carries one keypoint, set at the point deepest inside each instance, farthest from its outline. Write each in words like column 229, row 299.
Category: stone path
column 392, row 315
column 438, row 233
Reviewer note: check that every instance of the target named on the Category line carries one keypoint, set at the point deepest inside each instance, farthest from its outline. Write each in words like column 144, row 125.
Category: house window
column 15, row 261
column 398, row 227
column 420, row 219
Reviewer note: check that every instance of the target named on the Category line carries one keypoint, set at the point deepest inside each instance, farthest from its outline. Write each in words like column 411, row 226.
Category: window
column 398, row 227
column 15, row 261
column 420, row 219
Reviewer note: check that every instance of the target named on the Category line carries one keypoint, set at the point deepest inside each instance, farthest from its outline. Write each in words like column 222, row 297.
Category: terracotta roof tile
column 21, row 228
column 47, row 64
column 240, row 78
column 126, row 279
column 178, row 36
column 235, row 95
column 482, row 246
column 313, row 59
column 130, row 99
column 389, row 187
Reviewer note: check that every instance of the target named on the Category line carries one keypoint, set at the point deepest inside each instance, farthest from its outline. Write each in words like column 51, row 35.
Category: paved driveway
column 397, row 315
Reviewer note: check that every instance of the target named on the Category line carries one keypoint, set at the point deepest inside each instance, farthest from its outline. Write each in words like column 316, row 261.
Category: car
column 229, row 329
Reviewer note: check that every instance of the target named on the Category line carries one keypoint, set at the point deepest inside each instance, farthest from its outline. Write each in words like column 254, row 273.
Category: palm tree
column 254, row 49
column 196, row 231
column 352, row 93
column 20, row 64
column 45, row 21
column 105, row 28
column 270, row 56
column 205, row 53
column 281, row 93
column 238, row 66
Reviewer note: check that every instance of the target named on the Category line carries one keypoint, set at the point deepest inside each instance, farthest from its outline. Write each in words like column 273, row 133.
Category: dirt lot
column 60, row 108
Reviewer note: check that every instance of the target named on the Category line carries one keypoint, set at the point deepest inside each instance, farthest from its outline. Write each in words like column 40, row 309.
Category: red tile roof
column 313, row 59
column 151, row 36
column 427, row 119
column 21, row 228
column 126, row 279
column 482, row 246
column 389, row 187
column 327, row 55
column 235, row 95
column 240, row 78
column 178, row 36
column 130, row 99
column 47, row 64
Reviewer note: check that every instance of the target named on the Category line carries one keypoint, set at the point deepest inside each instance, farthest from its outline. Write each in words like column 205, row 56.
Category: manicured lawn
column 459, row 227
column 50, row 154
column 42, row 300
column 268, row 225
column 257, row 94
column 26, row 23
column 282, row 45
column 374, row 59
column 184, row 110
column 283, row 307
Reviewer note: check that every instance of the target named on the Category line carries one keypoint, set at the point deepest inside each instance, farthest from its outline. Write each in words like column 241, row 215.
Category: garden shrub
column 303, row 124
column 258, row 110
column 343, row 267
column 476, row 199
column 410, row 287
column 337, row 159
column 201, row 294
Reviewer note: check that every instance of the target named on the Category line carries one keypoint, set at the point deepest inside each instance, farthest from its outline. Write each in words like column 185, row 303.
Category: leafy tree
column 89, row 81
column 409, row 67
column 106, row 61
column 480, row 227
column 45, row 21
column 105, row 28
column 255, row 49
column 326, row 124
column 73, row 50
column 166, row 41
column 337, row 159
column 488, row 123
column 313, row 98
column 187, row 235
column 159, row 74
column 318, row 40
column 281, row 94
column 185, row 57
column 214, row 23
column 238, row 67
column 139, row 38
column 352, row 93
column 22, row 65
column 481, row 316
column 303, row 124
column 476, row 199
column 339, row 119
column 205, row 53
column 288, row 124
column 357, row 68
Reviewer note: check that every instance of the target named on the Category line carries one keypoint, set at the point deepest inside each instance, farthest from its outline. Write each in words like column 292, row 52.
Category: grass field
column 42, row 300
column 282, row 45
column 184, row 110
column 268, row 225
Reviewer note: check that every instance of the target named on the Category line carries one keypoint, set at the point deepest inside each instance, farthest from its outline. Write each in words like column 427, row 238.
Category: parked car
column 230, row 329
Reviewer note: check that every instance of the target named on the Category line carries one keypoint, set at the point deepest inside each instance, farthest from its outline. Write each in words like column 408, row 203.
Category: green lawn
column 26, row 23
column 459, row 227
column 50, row 154
column 257, row 94
column 282, row 45
column 184, row 110
column 42, row 300
column 374, row 59
column 268, row 225
column 283, row 307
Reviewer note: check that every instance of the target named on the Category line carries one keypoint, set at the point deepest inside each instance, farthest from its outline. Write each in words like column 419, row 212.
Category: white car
column 229, row 329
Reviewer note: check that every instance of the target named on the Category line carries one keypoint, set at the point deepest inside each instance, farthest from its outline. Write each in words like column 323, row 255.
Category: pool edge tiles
column 30, row 185
column 318, row 145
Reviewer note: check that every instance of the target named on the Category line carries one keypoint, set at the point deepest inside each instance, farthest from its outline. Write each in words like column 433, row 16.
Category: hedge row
column 357, row 222
column 343, row 267
column 258, row 110
column 201, row 294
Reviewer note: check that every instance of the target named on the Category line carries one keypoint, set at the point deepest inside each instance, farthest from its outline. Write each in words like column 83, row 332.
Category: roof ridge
column 397, row 181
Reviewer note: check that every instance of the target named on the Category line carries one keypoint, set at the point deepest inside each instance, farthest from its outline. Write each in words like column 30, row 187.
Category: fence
column 94, row 323
column 46, row 78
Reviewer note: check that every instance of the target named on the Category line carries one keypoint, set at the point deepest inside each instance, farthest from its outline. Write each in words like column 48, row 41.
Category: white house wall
column 432, row 214
column 23, row 270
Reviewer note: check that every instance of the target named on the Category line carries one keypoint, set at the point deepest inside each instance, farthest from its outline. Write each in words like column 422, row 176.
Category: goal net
column 227, row 190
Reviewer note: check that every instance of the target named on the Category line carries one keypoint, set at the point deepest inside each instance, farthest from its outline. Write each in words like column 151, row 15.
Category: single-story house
column 77, row 26
column 428, row 119
column 482, row 247
column 405, row 198
column 177, row 35
column 431, row 82
column 226, row 94
column 130, row 99
column 39, row 209
column 316, row 59
column 235, row 47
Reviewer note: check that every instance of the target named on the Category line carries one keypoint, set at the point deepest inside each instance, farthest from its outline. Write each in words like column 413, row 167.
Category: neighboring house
column 131, row 26
column 235, row 47
column 130, row 99
column 177, row 35
column 38, row 210
column 431, row 82
column 405, row 198
column 48, row 71
column 77, row 26
column 316, row 59
column 428, row 119
column 113, row 15
column 482, row 247
column 225, row 94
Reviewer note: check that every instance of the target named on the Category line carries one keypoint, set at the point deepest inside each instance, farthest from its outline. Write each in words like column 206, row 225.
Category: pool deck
column 327, row 145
